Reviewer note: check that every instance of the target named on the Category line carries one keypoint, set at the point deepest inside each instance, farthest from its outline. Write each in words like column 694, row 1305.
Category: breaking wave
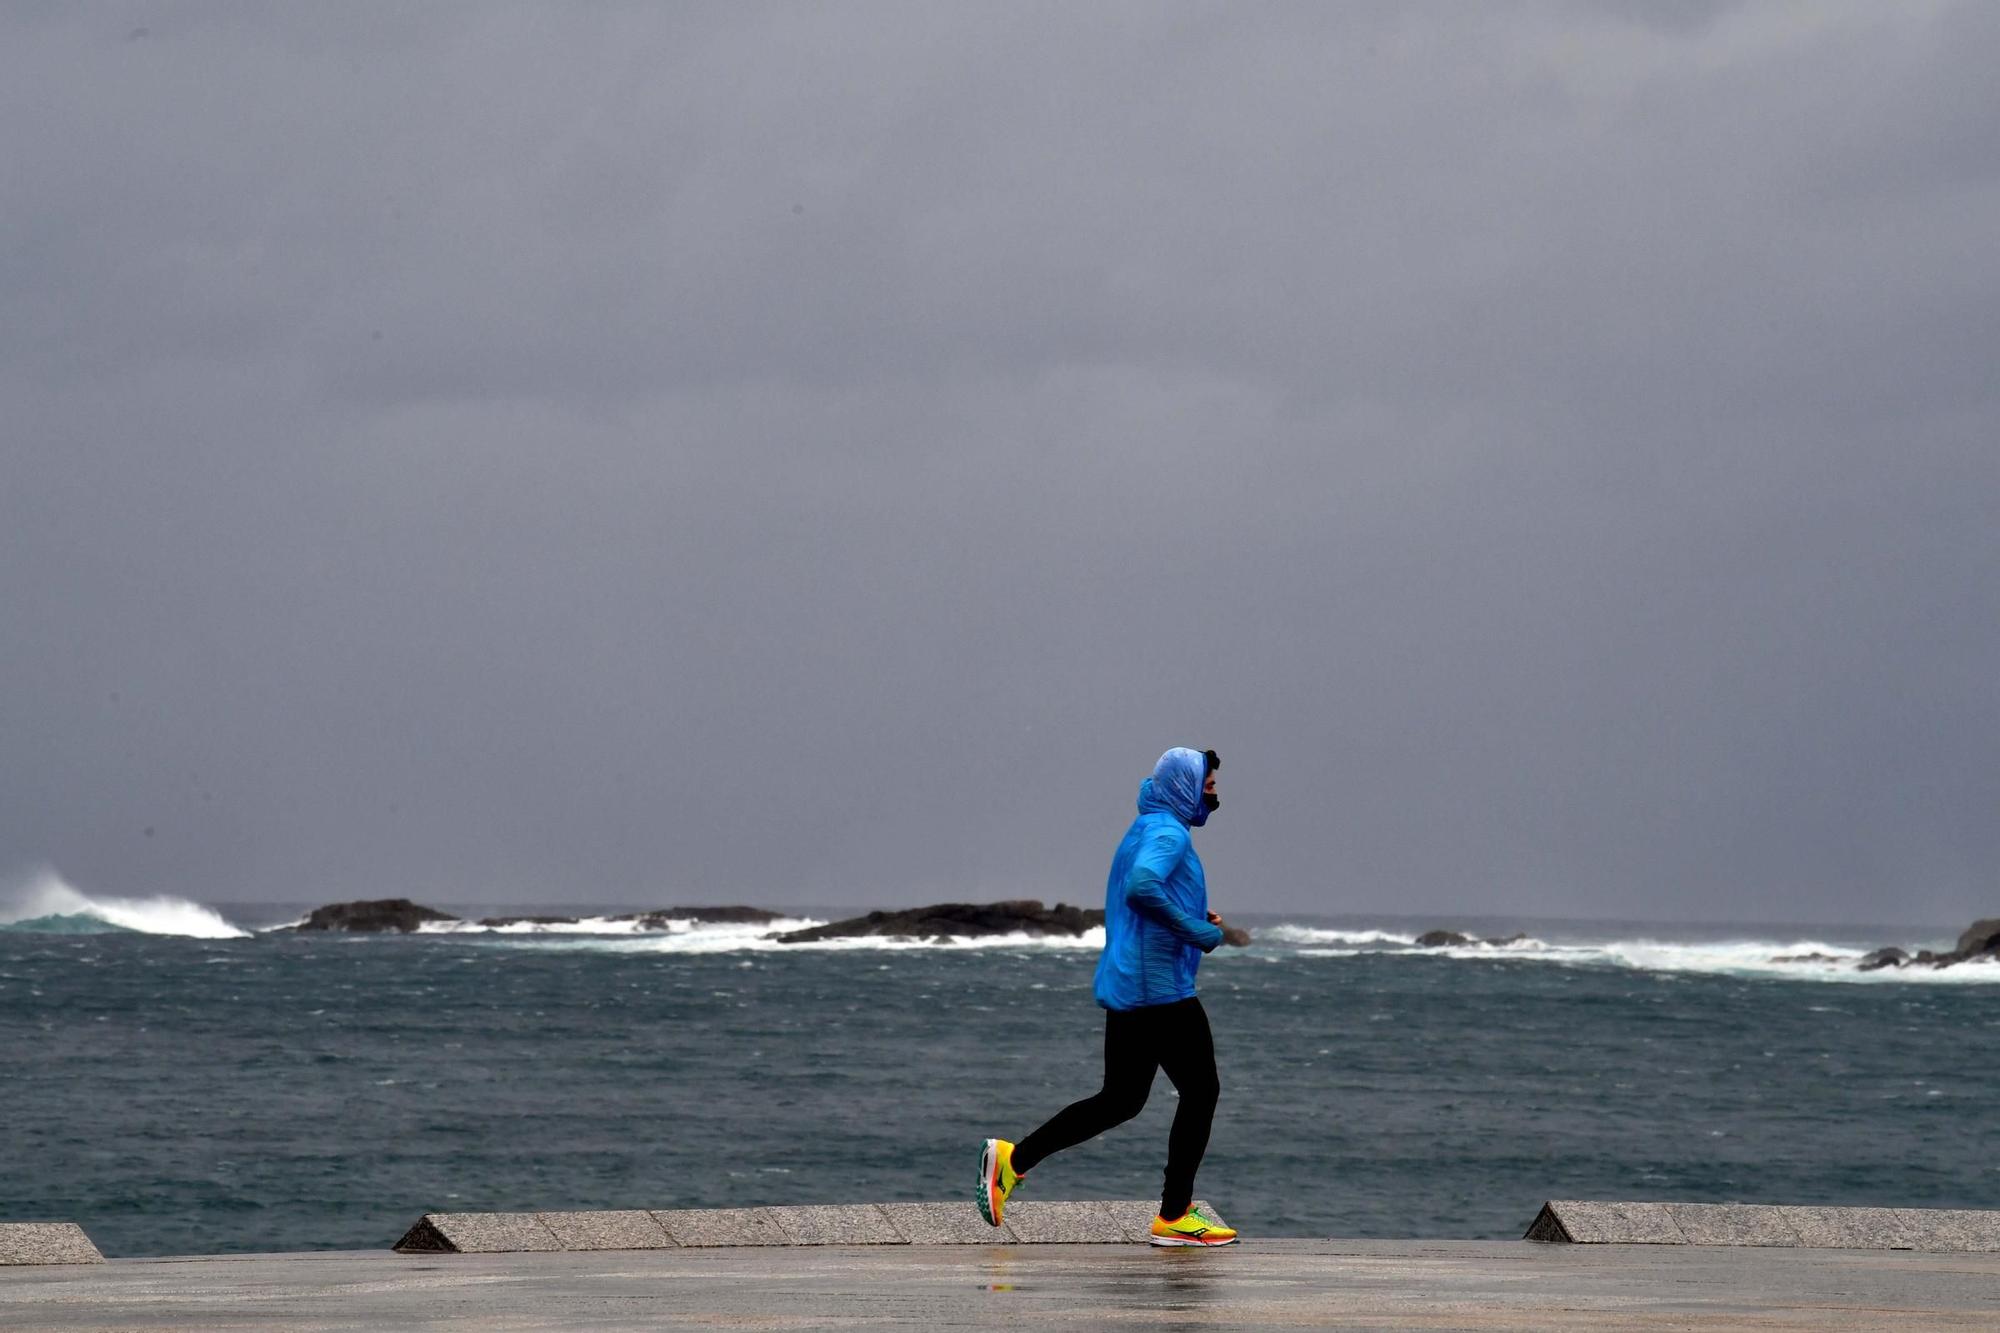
column 1799, row 960
column 601, row 926
column 698, row 937
column 1356, row 940
column 43, row 902
column 1796, row 960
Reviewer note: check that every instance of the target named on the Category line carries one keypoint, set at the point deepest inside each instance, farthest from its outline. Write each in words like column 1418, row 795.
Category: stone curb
column 46, row 1243
column 1088, row 1222
column 1943, row 1230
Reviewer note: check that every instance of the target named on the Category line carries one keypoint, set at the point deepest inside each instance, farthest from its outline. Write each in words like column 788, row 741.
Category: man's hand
column 1230, row 934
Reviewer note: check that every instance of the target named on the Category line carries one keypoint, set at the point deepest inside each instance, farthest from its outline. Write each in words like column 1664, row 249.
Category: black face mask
column 1209, row 800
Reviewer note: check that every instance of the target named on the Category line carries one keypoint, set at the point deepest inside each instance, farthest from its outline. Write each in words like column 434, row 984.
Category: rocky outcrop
column 376, row 914
column 1978, row 942
column 708, row 916
column 659, row 919
column 387, row 915
column 947, row 921
column 1451, row 939
column 1980, row 937
column 1881, row 958
column 1020, row 916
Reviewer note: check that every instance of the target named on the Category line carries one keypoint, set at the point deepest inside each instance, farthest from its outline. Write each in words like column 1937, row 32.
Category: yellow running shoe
column 1193, row 1228
column 996, row 1179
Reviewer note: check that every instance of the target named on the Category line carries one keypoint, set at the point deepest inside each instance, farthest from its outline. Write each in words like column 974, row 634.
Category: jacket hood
column 1175, row 787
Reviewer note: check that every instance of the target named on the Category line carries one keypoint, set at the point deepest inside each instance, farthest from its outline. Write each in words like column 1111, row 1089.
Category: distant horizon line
column 1275, row 914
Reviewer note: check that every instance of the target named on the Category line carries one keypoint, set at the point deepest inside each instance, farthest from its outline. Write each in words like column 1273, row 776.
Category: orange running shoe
column 1192, row 1228
column 997, row 1179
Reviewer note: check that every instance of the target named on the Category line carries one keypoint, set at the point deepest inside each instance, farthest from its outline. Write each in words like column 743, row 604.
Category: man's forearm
column 1150, row 900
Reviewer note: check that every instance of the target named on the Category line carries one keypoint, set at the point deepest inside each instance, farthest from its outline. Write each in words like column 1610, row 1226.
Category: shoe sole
column 1179, row 1242
column 989, row 1167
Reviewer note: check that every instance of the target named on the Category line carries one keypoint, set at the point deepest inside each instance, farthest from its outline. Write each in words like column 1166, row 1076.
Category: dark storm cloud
column 823, row 454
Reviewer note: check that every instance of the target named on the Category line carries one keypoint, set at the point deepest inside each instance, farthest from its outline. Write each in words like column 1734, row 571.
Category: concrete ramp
column 1943, row 1230
column 46, row 1243
column 1090, row 1222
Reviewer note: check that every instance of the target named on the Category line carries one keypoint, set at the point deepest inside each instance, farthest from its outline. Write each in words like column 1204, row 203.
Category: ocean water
column 180, row 1080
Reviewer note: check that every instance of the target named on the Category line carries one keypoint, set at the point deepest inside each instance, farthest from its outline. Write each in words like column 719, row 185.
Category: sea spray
column 41, row 899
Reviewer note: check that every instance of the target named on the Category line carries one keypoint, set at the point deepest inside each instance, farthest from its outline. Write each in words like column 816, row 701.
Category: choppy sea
column 181, row 1079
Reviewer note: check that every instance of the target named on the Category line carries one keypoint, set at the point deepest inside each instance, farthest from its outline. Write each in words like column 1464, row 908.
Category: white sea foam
column 1801, row 960
column 623, row 925
column 734, row 938
column 43, row 897
column 589, row 925
column 603, row 935
column 42, row 894
column 1340, row 939
column 1791, row 959
column 1091, row 940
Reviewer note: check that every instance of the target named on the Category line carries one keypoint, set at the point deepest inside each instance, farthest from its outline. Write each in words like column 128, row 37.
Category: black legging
column 1173, row 1037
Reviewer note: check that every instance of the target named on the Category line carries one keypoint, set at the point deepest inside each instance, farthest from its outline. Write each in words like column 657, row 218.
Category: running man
column 1156, row 928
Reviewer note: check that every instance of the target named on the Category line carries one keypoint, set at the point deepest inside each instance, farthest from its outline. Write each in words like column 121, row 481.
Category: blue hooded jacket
column 1156, row 925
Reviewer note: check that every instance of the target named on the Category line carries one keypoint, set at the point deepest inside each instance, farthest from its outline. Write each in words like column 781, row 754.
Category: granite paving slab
column 1952, row 1229
column 1733, row 1224
column 1590, row 1223
column 46, row 1243
column 623, row 1229
column 1134, row 1217
column 837, row 1224
column 721, row 1226
column 1935, row 1230
column 945, row 1224
column 1085, row 1222
column 1852, row 1228
column 479, row 1233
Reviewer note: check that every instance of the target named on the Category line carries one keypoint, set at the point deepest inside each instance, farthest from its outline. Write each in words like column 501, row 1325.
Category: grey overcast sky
column 824, row 453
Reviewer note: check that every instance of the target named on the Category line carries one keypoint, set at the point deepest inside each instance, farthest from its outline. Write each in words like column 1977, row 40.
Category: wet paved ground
column 1266, row 1284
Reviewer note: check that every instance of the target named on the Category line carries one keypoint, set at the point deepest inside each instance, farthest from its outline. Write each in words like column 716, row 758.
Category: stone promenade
column 1259, row 1284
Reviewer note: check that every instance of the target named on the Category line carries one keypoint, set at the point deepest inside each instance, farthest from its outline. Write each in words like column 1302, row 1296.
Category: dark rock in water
column 1980, row 937
column 1980, row 941
column 378, row 914
column 713, row 916
column 1806, row 958
column 1021, row 916
column 400, row 914
column 658, row 919
column 1451, row 939
column 1881, row 958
